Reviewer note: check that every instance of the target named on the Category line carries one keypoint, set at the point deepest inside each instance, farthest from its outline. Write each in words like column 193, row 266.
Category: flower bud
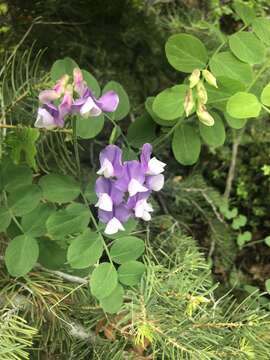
column 209, row 77
column 204, row 115
column 60, row 85
column 188, row 102
column 201, row 92
column 194, row 78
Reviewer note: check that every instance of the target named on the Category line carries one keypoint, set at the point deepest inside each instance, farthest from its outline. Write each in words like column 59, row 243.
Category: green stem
column 266, row 108
column 121, row 132
column 76, row 148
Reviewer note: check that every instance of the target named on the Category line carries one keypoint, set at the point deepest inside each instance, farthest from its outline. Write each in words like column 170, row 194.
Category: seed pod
column 202, row 93
column 194, row 78
column 209, row 77
column 188, row 102
column 204, row 115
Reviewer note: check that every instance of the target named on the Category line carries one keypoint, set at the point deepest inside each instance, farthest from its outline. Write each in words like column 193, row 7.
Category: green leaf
column 149, row 108
column 92, row 83
column 141, row 131
column 239, row 222
column 169, row 104
column 23, row 145
column 126, row 248
column 225, row 64
column 217, row 98
column 24, row 199
column 88, row 128
column 62, row 67
column 265, row 95
column 247, row 47
column 243, row 238
column 261, row 27
column 243, row 105
column 267, row 285
column 59, row 188
column 72, row 220
column 5, row 218
column 85, row 250
column 13, row 176
column 124, row 106
column 112, row 303
column 230, row 214
column 267, row 240
column 235, row 123
column 186, row 145
column 130, row 272
column 213, row 135
column 34, row 223
column 245, row 12
column 186, row 53
column 103, row 280
column 21, row 255
column 51, row 255
column 89, row 191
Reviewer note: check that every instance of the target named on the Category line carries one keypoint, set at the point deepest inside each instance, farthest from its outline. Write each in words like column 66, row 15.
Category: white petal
column 146, row 216
column 156, row 182
column 113, row 226
column 104, row 202
column 155, row 166
column 44, row 119
column 139, row 208
column 106, row 169
column 134, row 187
column 89, row 108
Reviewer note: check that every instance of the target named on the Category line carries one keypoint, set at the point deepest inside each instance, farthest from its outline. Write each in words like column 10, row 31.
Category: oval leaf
column 169, row 104
column 225, row 64
column 186, row 145
column 186, row 53
column 247, row 47
column 245, row 12
column 51, row 255
column 261, row 27
column 141, row 131
column 34, row 223
column 265, row 95
column 149, row 108
column 213, row 135
column 88, row 128
column 126, row 248
column 112, row 304
column 243, row 105
column 59, row 188
column 130, row 272
column 62, row 67
column 103, row 280
column 235, row 123
column 5, row 218
column 92, row 83
column 21, row 255
column 24, row 199
column 85, row 250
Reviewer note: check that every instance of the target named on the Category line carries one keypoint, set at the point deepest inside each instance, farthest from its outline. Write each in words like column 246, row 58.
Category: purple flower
column 132, row 179
column 155, row 182
column 110, row 162
column 114, row 219
column 47, row 96
column 108, row 194
column 151, row 166
column 141, row 207
column 50, row 115
column 88, row 105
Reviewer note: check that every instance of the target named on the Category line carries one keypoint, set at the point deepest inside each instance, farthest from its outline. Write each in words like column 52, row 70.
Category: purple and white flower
column 124, row 189
column 88, row 105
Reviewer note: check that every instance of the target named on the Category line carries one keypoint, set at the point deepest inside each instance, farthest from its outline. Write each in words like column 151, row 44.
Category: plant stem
column 121, row 132
column 8, row 126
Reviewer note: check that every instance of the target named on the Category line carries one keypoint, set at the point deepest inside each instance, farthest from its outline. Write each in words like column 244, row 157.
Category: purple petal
column 122, row 213
column 47, row 96
column 105, row 216
column 131, row 170
column 132, row 200
column 107, row 186
column 44, row 119
column 146, row 155
column 108, row 102
column 114, row 154
column 79, row 83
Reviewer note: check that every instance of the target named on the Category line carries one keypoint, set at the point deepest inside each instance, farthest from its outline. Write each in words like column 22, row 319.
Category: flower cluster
column 65, row 99
column 123, row 189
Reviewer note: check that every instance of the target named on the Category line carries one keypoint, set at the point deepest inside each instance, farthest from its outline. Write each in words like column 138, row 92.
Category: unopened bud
column 194, row 78
column 204, row 115
column 188, row 102
column 60, row 85
column 201, row 92
column 209, row 77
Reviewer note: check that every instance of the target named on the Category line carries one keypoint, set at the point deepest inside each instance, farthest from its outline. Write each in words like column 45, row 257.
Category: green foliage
column 247, row 47
column 103, row 280
column 126, row 248
column 130, row 272
column 243, row 105
column 141, row 131
column 186, row 53
column 62, row 67
column 186, row 144
column 169, row 104
column 124, row 106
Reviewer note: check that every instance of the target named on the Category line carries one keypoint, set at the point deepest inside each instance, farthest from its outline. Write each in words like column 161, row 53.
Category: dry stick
column 231, row 173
